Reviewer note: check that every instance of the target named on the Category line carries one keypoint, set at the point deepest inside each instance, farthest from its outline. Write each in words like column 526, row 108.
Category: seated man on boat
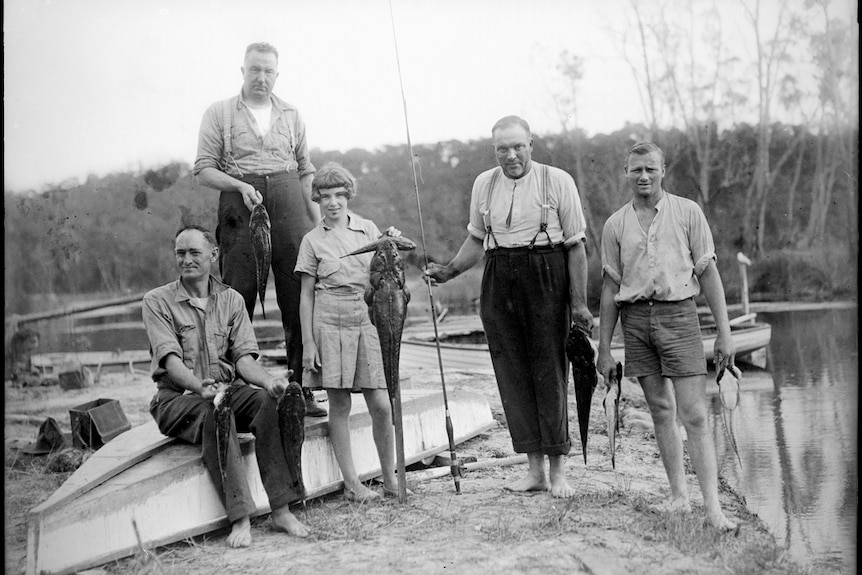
column 201, row 341
column 657, row 254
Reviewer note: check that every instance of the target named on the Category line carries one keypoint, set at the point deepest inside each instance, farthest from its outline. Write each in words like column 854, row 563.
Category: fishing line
column 455, row 465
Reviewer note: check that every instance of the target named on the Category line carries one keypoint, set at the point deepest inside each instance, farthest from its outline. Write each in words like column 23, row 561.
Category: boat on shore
column 463, row 346
column 143, row 489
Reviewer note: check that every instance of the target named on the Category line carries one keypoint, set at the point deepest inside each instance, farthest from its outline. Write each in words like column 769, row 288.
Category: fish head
column 389, row 243
column 259, row 217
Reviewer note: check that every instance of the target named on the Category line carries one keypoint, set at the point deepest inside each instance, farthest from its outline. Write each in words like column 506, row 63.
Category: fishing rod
column 454, row 463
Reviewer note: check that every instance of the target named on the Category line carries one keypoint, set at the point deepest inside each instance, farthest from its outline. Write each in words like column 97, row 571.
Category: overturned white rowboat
column 162, row 485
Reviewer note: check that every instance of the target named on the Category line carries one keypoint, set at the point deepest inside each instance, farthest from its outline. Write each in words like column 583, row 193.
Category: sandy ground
column 611, row 526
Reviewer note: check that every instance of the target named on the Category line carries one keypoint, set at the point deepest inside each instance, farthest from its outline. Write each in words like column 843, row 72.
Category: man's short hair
column 643, row 149
column 333, row 175
column 207, row 234
column 264, row 47
column 507, row 121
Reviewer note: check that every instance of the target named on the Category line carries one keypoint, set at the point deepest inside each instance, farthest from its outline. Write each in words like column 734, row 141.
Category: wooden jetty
column 162, row 485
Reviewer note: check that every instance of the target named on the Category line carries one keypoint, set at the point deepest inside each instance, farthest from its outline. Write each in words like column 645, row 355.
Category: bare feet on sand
column 529, row 483
column 561, row 488
column 240, row 533
column 361, row 494
column 678, row 505
column 720, row 522
column 284, row 520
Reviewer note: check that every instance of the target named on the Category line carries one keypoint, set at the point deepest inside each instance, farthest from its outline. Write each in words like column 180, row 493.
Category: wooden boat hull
column 162, row 485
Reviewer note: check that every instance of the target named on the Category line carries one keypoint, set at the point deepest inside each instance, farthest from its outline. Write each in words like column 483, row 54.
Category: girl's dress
column 347, row 342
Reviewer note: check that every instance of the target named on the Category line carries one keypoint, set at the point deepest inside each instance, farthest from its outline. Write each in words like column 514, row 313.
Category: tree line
column 114, row 234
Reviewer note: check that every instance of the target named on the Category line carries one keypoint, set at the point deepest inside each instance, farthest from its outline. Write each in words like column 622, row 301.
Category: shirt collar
column 526, row 177
column 215, row 287
column 277, row 103
column 352, row 224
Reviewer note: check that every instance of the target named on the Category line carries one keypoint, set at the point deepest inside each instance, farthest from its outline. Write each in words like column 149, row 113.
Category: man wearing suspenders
column 526, row 219
column 253, row 149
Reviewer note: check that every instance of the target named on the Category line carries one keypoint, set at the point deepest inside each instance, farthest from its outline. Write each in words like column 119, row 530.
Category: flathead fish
column 582, row 356
column 225, row 426
column 611, row 403
column 261, row 243
column 387, row 297
column 728, row 391
column 291, row 426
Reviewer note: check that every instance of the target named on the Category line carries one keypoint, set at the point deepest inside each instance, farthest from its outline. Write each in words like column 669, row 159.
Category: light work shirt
column 523, row 198
column 662, row 263
column 321, row 250
column 209, row 341
column 283, row 147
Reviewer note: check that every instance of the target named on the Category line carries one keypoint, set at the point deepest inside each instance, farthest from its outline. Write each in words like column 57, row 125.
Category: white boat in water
column 462, row 346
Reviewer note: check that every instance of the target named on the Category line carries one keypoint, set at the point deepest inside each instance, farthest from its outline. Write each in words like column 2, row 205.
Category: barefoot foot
column 284, row 520
column 720, row 522
column 240, row 533
column 360, row 494
column 528, row 483
column 678, row 505
column 561, row 488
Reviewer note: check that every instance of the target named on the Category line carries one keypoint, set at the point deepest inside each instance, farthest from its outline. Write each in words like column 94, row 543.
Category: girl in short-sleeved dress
column 341, row 349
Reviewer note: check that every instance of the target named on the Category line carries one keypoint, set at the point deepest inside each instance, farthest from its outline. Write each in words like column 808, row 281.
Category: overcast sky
column 93, row 86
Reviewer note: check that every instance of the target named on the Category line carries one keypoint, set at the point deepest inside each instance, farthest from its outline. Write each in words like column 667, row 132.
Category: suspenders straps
column 494, row 178
column 227, row 108
column 545, row 185
column 546, row 206
column 226, row 121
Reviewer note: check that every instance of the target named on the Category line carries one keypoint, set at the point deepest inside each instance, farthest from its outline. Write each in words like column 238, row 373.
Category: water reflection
column 796, row 427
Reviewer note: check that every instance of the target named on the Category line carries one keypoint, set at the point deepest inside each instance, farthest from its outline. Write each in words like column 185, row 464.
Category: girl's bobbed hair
column 333, row 175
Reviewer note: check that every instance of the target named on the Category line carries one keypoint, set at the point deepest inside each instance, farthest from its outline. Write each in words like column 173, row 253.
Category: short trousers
column 662, row 338
column 347, row 344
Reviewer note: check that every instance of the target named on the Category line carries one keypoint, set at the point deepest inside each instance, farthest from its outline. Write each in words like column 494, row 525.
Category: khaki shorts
column 662, row 338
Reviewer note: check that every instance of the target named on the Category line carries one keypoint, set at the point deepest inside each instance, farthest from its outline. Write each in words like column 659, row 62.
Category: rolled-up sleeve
column 476, row 226
column 210, row 140
column 159, row 325
column 700, row 240
column 611, row 262
column 306, row 261
column 303, row 158
column 571, row 212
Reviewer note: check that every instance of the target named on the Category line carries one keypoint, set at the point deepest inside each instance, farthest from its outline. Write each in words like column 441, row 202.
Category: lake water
column 796, row 427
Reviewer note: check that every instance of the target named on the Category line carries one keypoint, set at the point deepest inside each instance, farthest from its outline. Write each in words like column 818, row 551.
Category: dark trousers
column 191, row 418
column 525, row 311
column 282, row 196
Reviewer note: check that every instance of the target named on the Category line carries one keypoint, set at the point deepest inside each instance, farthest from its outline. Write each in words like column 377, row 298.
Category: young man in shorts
column 657, row 255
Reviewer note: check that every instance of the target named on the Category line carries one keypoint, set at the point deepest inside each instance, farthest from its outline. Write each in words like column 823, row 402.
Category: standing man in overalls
column 526, row 218
column 253, row 149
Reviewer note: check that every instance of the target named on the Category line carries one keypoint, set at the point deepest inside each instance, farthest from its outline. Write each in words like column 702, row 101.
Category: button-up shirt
column 209, row 341
column 523, row 199
column 663, row 262
column 283, row 148
column 321, row 250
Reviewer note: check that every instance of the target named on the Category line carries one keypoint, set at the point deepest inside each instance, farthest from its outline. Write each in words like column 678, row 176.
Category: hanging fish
column 581, row 354
column 261, row 243
column 728, row 391
column 224, row 424
column 291, row 426
column 611, row 403
column 387, row 297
